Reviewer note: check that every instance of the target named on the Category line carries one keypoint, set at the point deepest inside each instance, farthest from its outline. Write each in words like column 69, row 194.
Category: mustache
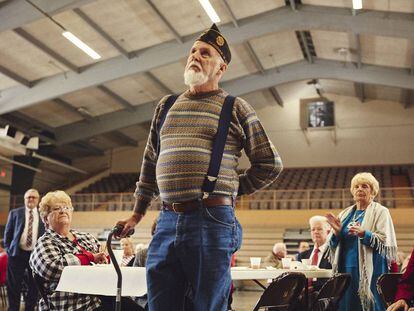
column 194, row 62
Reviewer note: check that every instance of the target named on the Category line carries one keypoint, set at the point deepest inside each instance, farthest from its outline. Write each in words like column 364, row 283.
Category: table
column 102, row 280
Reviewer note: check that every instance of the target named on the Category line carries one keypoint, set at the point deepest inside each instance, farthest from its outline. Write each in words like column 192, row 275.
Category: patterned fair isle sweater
column 186, row 136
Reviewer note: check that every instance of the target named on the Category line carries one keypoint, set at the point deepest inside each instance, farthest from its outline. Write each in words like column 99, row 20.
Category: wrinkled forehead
column 317, row 224
column 202, row 45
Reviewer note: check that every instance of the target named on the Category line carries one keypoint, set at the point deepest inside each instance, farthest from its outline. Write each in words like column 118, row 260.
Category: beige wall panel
column 93, row 99
column 246, row 8
column 188, row 16
column 131, row 23
column 277, row 49
column 137, row 89
column 24, row 59
column 51, row 114
column 387, row 51
column 367, row 134
column 51, row 35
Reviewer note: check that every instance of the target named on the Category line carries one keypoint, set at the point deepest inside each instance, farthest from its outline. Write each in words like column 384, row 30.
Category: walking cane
column 116, row 231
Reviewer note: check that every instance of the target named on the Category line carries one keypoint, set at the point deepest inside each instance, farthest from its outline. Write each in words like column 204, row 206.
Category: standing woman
column 363, row 244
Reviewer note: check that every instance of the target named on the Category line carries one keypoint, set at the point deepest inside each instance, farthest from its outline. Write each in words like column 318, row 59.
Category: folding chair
column 331, row 293
column 282, row 293
column 387, row 287
column 40, row 286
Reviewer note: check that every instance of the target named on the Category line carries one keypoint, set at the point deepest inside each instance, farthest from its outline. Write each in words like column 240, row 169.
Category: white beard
column 192, row 78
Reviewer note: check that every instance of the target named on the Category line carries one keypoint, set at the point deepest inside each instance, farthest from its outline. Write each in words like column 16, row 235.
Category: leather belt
column 190, row 206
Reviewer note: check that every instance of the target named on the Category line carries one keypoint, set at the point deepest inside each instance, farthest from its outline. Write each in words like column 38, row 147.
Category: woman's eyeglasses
column 62, row 209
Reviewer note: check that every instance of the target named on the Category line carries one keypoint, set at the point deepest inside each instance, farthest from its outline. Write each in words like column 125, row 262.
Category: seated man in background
column 405, row 289
column 318, row 255
column 62, row 246
column 275, row 258
column 303, row 246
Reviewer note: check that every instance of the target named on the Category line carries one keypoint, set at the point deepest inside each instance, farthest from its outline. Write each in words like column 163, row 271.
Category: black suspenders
column 218, row 143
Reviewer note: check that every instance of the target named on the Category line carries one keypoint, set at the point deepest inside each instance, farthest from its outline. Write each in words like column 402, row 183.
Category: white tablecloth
column 102, row 280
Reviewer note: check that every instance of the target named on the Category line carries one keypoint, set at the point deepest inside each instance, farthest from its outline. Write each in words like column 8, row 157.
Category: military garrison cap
column 213, row 37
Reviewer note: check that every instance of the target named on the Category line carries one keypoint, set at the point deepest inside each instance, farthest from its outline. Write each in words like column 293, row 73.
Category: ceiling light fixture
column 70, row 36
column 81, row 45
column 357, row 4
column 210, row 10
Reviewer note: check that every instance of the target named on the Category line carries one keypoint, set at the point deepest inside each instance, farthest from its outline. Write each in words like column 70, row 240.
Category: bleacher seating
column 292, row 238
column 114, row 183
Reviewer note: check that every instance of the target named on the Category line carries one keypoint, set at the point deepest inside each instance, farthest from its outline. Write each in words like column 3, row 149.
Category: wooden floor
column 245, row 300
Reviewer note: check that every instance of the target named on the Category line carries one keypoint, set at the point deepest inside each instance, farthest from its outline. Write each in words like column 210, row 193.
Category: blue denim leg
column 195, row 251
column 165, row 277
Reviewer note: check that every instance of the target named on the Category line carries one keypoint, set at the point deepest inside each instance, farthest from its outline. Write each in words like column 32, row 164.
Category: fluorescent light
column 210, row 11
column 357, row 4
column 80, row 44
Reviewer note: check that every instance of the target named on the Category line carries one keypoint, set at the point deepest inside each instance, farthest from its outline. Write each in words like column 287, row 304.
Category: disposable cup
column 255, row 262
column 286, row 262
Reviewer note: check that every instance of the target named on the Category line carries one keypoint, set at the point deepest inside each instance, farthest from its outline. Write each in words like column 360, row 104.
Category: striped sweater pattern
column 186, row 140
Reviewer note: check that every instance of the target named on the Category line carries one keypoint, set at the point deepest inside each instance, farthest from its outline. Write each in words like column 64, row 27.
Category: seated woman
column 129, row 255
column 62, row 246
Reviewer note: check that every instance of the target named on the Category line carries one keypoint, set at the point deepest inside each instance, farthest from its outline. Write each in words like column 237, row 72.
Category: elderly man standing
column 318, row 256
column 23, row 228
column 275, row 258
column 191, row 158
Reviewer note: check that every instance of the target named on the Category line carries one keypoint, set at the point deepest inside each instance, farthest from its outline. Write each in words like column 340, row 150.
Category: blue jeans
column 189, row 258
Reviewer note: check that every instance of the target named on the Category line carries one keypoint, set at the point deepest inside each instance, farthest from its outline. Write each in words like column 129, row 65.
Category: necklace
column 356, row 219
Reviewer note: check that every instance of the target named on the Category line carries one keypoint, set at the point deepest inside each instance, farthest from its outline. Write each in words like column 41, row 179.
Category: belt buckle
column 173, row 206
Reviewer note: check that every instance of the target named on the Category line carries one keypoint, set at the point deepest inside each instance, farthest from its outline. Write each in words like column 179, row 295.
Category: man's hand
column 335, row 223
column 100, row 258
column 129, row 224
column 357, row 230
column 399, row 305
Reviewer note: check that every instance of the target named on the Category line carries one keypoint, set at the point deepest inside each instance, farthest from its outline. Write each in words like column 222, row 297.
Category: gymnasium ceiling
column 51, row 89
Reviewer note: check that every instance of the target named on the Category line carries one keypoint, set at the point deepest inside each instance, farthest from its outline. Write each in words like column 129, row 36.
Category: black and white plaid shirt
column 51, row 254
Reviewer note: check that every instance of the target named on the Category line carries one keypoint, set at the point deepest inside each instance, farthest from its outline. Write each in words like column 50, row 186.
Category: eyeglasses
column 62, row 209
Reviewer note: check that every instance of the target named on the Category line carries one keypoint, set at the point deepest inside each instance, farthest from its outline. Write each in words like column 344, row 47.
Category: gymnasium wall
column 371, row 133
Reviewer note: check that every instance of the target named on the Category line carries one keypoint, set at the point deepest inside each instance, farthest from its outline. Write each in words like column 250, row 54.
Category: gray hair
column 319, row 219
column 279, row 247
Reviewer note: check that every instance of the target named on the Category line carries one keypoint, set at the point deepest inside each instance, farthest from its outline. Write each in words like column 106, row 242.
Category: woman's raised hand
column 334, row 222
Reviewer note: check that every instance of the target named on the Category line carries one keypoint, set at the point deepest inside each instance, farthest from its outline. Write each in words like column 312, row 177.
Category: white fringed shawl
column 378, row 221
